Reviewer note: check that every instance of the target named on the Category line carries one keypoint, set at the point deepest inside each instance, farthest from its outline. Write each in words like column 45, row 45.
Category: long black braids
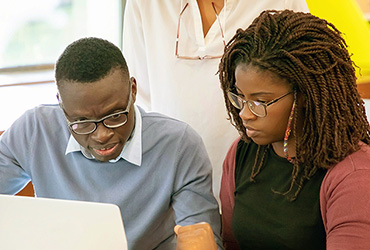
column 312, row 56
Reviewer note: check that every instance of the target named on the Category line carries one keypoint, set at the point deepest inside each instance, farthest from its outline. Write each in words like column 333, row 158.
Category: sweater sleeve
column 227, row 197
column 16, row 145
column 345, row 202
column 193, row 200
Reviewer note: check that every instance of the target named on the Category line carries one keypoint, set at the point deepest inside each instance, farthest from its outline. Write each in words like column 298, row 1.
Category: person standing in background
column 173, row 48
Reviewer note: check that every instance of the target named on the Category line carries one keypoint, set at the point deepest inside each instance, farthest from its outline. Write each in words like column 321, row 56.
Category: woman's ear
column 301, row 100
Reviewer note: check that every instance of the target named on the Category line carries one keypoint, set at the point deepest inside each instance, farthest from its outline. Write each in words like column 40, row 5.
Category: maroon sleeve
column 227, row 197
column 345, row 202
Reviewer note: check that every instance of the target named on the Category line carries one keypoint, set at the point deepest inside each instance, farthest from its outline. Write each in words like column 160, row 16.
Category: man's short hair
column 88, row 60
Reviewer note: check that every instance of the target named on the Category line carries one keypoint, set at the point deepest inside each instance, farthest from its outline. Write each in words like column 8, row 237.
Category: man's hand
column 195, row 237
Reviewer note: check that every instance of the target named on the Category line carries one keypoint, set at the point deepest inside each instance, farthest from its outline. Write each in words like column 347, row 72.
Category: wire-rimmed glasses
column 257, row 108
column 197, row 57
column 114, row 120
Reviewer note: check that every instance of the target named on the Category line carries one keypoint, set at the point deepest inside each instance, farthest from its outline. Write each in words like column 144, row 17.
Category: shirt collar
column 131, row 152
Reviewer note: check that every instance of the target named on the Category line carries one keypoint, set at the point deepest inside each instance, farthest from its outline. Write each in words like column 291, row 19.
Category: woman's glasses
column 257, row 108
column 197, row 57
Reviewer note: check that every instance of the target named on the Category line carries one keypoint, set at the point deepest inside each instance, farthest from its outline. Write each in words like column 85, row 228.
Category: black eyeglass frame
column 95, row 122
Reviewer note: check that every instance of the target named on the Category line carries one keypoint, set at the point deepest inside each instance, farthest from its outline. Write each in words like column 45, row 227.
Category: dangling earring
column 288, row 130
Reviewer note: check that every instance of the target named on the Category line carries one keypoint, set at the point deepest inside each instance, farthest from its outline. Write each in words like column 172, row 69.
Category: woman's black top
column 264, row 218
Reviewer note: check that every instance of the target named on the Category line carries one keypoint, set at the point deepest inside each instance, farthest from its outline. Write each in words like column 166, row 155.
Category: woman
column 299, row 175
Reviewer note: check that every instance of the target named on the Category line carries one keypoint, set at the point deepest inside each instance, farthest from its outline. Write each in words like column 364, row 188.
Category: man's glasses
column 197, row 57
column 114, row 120
column 257, row 108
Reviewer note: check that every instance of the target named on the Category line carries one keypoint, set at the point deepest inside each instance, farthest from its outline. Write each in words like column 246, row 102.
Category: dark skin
column 264, row 86
column 85, row 101
column 208, row 14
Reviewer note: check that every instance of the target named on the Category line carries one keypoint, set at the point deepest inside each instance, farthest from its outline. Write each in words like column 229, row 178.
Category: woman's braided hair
column 312, row 56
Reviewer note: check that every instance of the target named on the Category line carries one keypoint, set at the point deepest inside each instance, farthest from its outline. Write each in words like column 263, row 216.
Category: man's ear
column 134, row 88
column 59, row 100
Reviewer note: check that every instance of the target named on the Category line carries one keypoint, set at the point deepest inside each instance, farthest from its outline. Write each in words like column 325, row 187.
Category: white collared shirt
column 131, row 152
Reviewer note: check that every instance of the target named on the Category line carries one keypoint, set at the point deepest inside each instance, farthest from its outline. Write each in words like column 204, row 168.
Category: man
column 98, row 146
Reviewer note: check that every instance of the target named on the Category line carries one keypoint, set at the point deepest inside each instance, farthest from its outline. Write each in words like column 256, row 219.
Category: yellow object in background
column 348, row 18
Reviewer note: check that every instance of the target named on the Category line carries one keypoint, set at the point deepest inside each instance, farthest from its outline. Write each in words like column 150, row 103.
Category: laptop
column 44, row 224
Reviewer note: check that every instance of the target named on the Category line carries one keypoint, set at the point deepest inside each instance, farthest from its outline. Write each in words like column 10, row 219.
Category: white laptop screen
column 40, row 223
